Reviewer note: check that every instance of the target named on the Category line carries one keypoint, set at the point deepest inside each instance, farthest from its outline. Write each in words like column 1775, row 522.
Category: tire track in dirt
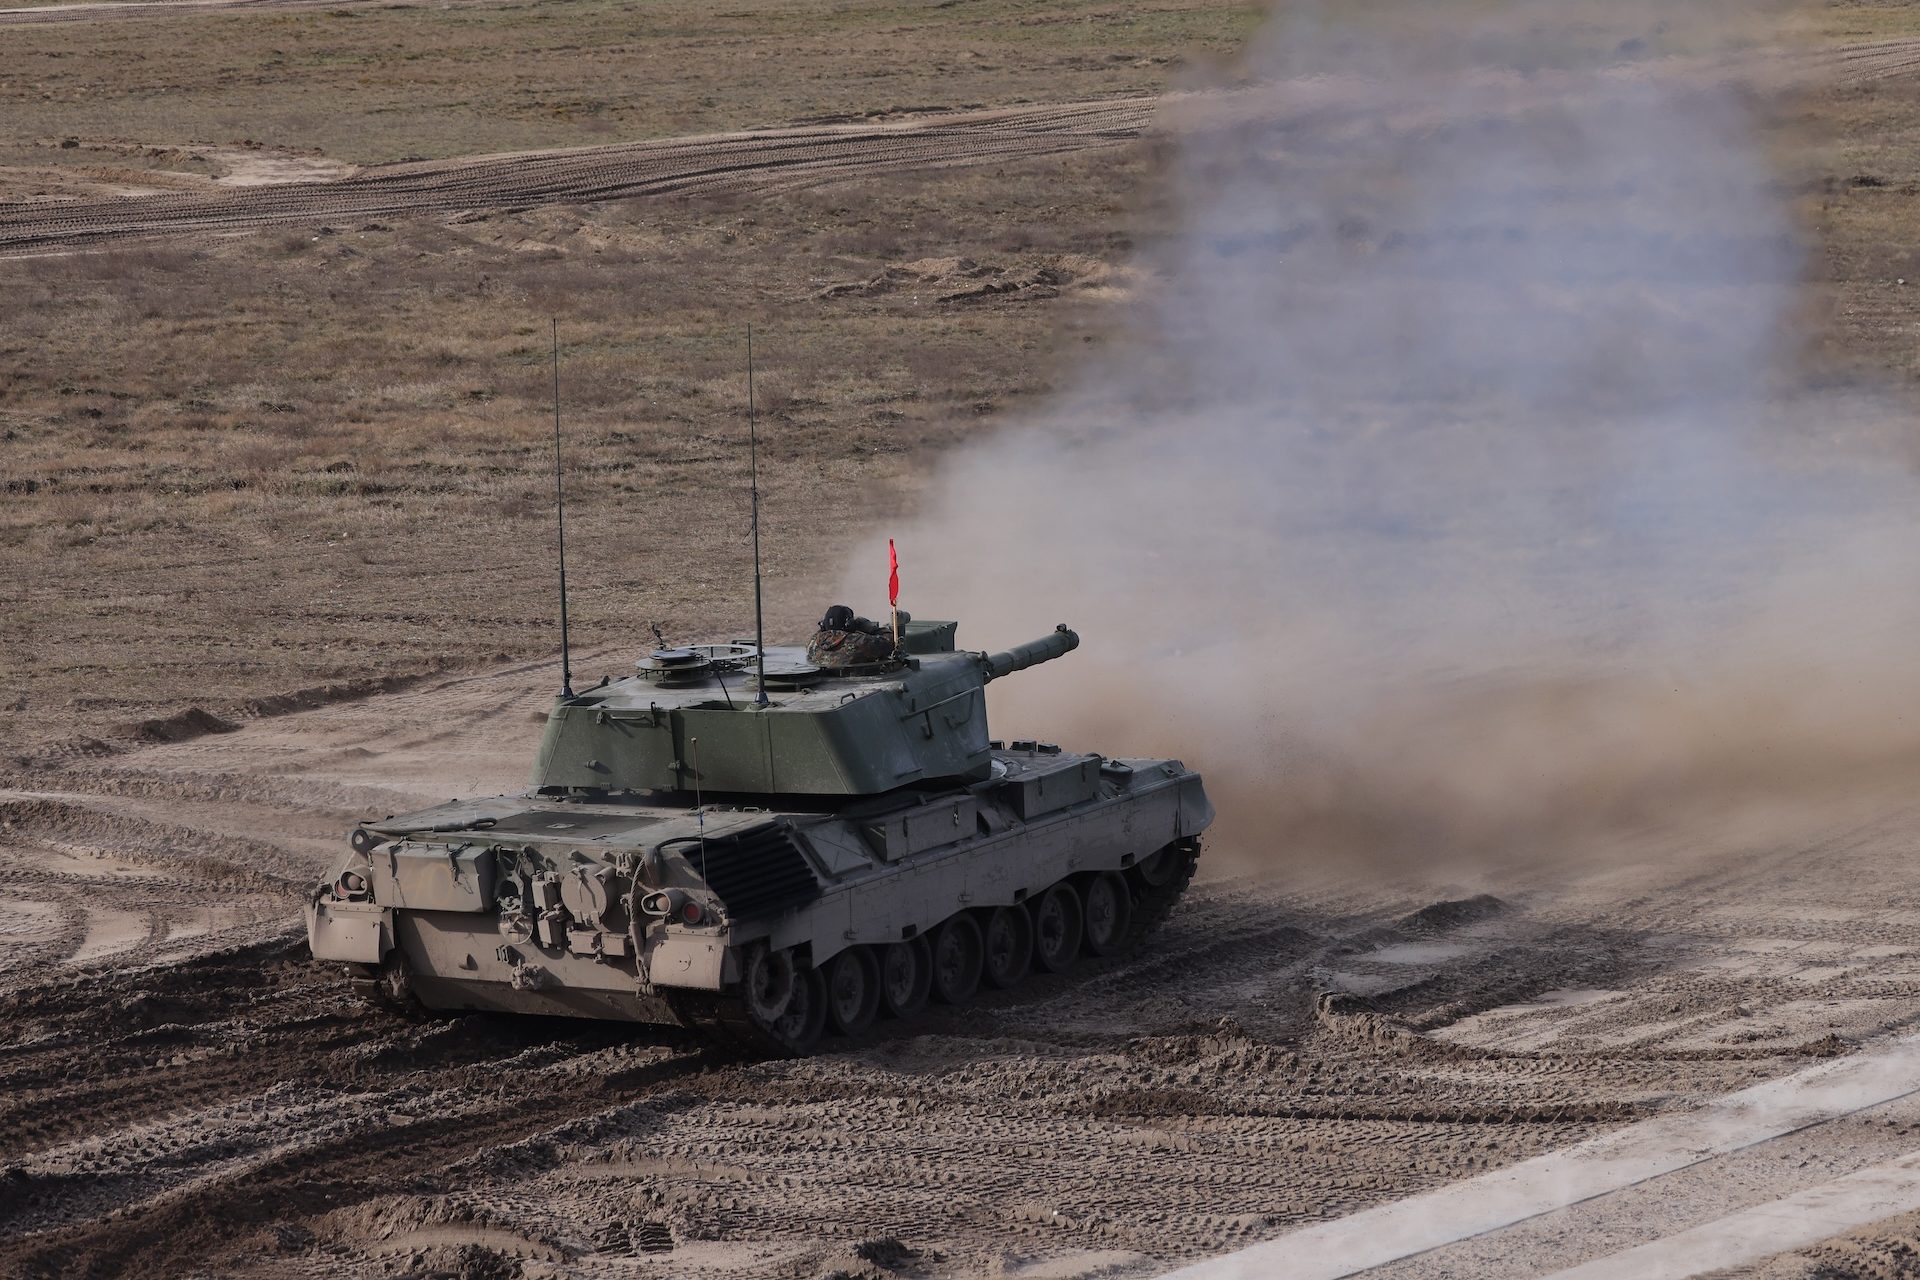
column 252, row 1087
column 247, row 1093
column 1872, row 60
column 337, row 1170
column 769, row 160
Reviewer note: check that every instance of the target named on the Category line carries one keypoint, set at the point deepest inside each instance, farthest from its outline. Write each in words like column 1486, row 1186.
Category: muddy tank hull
column 756, row 922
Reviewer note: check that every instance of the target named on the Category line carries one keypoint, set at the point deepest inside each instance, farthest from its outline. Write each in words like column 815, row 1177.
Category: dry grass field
column 295, row 459
column 243, row 468
column 382, row 83
column 246, row 467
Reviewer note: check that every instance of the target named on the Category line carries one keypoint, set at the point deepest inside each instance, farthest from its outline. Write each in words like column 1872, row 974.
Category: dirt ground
column 185, row 1093
column 276, row 555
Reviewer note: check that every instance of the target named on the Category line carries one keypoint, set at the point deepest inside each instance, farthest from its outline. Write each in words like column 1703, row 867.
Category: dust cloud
column 1451, row 493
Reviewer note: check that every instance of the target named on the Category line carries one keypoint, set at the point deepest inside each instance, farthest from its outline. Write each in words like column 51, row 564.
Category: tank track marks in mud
column 786, row 1009
column 248, row 1086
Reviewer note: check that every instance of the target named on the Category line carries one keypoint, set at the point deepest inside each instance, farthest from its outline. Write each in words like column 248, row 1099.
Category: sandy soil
column 182, row 1090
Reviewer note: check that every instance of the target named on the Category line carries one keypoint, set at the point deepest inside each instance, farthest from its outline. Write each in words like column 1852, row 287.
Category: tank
column 767, row 851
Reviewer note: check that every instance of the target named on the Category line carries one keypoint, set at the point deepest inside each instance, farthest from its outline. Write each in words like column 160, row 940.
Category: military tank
column 765, row 849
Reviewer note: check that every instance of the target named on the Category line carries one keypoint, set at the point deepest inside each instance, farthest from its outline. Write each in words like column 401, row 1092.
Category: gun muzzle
column 1033, row 652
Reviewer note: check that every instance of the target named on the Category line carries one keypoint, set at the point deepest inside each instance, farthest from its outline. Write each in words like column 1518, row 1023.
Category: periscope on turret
column 765, row 848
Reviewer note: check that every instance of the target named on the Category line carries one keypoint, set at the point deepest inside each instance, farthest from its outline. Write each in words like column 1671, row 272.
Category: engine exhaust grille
column 758, row 872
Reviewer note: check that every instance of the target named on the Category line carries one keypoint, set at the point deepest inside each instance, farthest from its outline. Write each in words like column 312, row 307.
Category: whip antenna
column 753, row 474
column 560, row 514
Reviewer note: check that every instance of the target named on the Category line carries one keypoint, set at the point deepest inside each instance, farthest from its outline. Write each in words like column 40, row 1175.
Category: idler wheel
column 957, row 954
column 1056, row 928
column 906, row 976
column 853, row 991
column 1009, row 947
column 1109, row 907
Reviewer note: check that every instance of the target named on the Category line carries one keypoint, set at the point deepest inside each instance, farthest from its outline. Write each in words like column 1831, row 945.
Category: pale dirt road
column 1749, row 1175
column 181, row 1094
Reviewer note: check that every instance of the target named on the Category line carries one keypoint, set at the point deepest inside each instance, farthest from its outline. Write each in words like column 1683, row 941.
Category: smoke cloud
column 1450, row 493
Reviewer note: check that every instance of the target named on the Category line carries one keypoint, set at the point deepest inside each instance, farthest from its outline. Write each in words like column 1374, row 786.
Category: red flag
column 893, row 575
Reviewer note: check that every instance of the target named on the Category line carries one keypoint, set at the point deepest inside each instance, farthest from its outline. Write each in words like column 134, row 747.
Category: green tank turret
column 765, row 848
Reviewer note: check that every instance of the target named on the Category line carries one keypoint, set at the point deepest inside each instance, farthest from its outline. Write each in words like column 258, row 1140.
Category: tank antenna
column 699, row 809
column 560, row 514
column 753, row 473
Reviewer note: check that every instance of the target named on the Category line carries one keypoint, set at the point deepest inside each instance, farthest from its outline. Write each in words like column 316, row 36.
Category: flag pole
column 893, row 591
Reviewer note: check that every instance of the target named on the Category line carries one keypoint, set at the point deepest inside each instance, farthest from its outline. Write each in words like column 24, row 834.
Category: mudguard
column 356, row 932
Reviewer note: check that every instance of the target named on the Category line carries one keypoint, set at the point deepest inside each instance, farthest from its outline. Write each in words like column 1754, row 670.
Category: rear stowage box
column 1044, row 786
column 427, row 877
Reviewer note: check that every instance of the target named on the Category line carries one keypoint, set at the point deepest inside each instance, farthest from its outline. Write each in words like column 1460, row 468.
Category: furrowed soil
column 184, row 1090
column 276, row 449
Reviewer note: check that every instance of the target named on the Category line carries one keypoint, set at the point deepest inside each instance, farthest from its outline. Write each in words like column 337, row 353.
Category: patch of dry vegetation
column 270, row 462
column 1862, row 148
column 374, row 83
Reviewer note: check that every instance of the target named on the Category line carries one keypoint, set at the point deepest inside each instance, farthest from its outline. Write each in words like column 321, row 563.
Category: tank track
column 380, row 987
column 723, row 1019
column 1153, row 904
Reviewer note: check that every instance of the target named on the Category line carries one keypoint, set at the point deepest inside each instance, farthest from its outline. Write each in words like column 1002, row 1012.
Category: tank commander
column 844, row 640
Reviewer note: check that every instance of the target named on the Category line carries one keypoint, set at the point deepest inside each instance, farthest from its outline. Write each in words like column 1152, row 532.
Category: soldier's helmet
column 838, row 618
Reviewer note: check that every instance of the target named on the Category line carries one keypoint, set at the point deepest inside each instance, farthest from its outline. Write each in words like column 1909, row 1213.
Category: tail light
column 351, row 884
column 673, row 904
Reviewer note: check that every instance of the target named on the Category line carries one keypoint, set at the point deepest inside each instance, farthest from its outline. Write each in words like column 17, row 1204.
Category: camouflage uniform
column 834, row 649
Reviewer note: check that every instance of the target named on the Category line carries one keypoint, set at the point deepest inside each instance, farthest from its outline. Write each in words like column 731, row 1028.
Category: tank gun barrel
column 1032, row 653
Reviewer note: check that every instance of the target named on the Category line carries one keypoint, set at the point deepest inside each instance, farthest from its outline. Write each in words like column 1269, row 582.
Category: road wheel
column 1157, row 885
column 1108, row 907
column 956, row 960
column 768, row 983
column 1056, row 928
column 906, row 975
column 786, row 1002
column 1008, row 946
column 853, row 991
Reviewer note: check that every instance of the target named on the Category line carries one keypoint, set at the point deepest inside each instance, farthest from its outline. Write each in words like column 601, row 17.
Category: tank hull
column 722, row 916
